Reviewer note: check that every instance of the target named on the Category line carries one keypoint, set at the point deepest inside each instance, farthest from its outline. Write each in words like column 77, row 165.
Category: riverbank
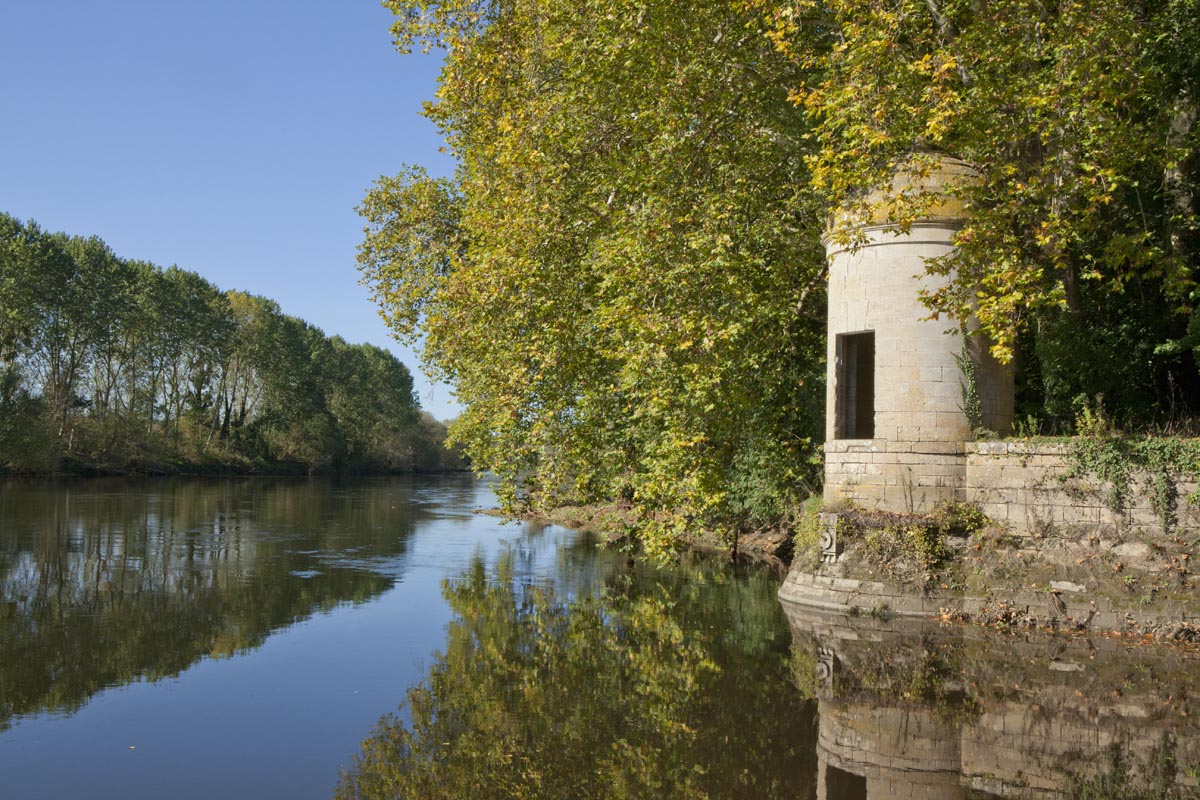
column 81, row 468
column 207, row 468
column 958, row 564
column 615, row 525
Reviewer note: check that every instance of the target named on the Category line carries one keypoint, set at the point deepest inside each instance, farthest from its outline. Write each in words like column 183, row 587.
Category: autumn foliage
column 624, row 278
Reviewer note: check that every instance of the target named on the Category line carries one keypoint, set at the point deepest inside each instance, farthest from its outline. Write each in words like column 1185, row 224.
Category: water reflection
column 102, row 584
column 617, row 682
column 913, row 709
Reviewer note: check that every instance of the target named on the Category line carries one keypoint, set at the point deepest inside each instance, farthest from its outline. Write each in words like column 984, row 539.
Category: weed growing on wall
column 1116, row 459
column 806, row 539
column 972, row 406
column 911, row 543
column 911, row 546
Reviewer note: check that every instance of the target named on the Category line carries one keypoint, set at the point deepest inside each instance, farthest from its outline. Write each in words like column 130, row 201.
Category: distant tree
column 120, row 363
column 426, row 448
column 371, row 396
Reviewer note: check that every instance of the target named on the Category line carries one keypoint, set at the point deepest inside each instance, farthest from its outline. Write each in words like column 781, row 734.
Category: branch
column 947, row 33
column 1182, row 122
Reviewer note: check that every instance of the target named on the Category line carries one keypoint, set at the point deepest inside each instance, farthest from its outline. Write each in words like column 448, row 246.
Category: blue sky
column 231, row 138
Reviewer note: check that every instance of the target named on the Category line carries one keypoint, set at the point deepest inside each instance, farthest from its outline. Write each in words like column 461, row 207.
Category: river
column 242, row 638
column 291, row 638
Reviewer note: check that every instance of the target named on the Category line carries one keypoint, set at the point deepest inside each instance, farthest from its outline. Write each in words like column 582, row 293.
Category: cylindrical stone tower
column 874, row 750
column 895, row 424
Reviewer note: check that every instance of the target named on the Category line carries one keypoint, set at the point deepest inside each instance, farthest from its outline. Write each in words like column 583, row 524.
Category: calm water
column 250, row 638
column 916, row 709
column 294, row 638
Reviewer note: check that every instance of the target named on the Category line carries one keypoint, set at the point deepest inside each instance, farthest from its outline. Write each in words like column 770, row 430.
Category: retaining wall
column 893, row 476
column 1020, row 484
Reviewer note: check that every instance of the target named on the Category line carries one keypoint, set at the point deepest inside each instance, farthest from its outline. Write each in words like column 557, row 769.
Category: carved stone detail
column 831, row 548
column 826, row 663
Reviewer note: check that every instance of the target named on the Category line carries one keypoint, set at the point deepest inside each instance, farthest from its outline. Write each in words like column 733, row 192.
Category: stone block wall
column 893, row 476
column 876, row 282
column 1021, row 485
column 876, row 288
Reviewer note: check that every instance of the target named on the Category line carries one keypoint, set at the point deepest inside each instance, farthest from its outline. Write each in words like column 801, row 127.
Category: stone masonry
column 893, row 373
column 1020, row 484
column 1023, row 486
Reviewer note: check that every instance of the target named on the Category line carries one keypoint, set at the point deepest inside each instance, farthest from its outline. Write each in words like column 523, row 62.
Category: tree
column 24, row 440
column 122, row 364
column 70, row 294
column 1080, row 116
column 21, row 248
column 371, row 397
column 626, row 281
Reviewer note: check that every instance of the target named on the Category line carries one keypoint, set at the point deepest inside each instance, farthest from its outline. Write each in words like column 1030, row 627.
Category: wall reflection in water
column 911, row 709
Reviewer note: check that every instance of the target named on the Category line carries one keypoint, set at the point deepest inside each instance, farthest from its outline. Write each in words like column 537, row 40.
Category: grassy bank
column 212, row 467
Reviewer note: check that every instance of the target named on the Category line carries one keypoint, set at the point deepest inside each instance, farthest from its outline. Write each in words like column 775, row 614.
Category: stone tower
column 895, row 429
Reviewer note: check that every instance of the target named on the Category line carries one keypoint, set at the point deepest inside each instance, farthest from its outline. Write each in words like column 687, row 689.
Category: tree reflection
column 665, row 684
column 104, row 583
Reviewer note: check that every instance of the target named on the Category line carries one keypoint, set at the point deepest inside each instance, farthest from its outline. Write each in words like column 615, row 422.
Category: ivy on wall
column 972, row 405
column 1118, row 460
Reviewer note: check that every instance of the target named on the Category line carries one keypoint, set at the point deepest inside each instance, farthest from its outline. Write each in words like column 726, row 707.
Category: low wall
column 1023, row 486
column 835, row 594
column 1018, row 483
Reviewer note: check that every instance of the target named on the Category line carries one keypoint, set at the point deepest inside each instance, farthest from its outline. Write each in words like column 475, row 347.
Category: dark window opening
column 856, row 386
column 841, row 785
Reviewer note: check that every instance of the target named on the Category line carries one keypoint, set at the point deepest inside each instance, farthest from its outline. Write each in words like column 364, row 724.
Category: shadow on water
column 916, row 709
column 103, row 582
column 616, row 681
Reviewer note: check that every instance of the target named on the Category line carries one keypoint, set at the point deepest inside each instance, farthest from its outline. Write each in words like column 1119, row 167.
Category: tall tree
column 1080, row 116
column 24, row 439
column 625, row 282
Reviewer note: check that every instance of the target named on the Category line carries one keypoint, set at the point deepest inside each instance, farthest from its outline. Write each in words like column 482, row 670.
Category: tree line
column 114, row 364
column 624, row 278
